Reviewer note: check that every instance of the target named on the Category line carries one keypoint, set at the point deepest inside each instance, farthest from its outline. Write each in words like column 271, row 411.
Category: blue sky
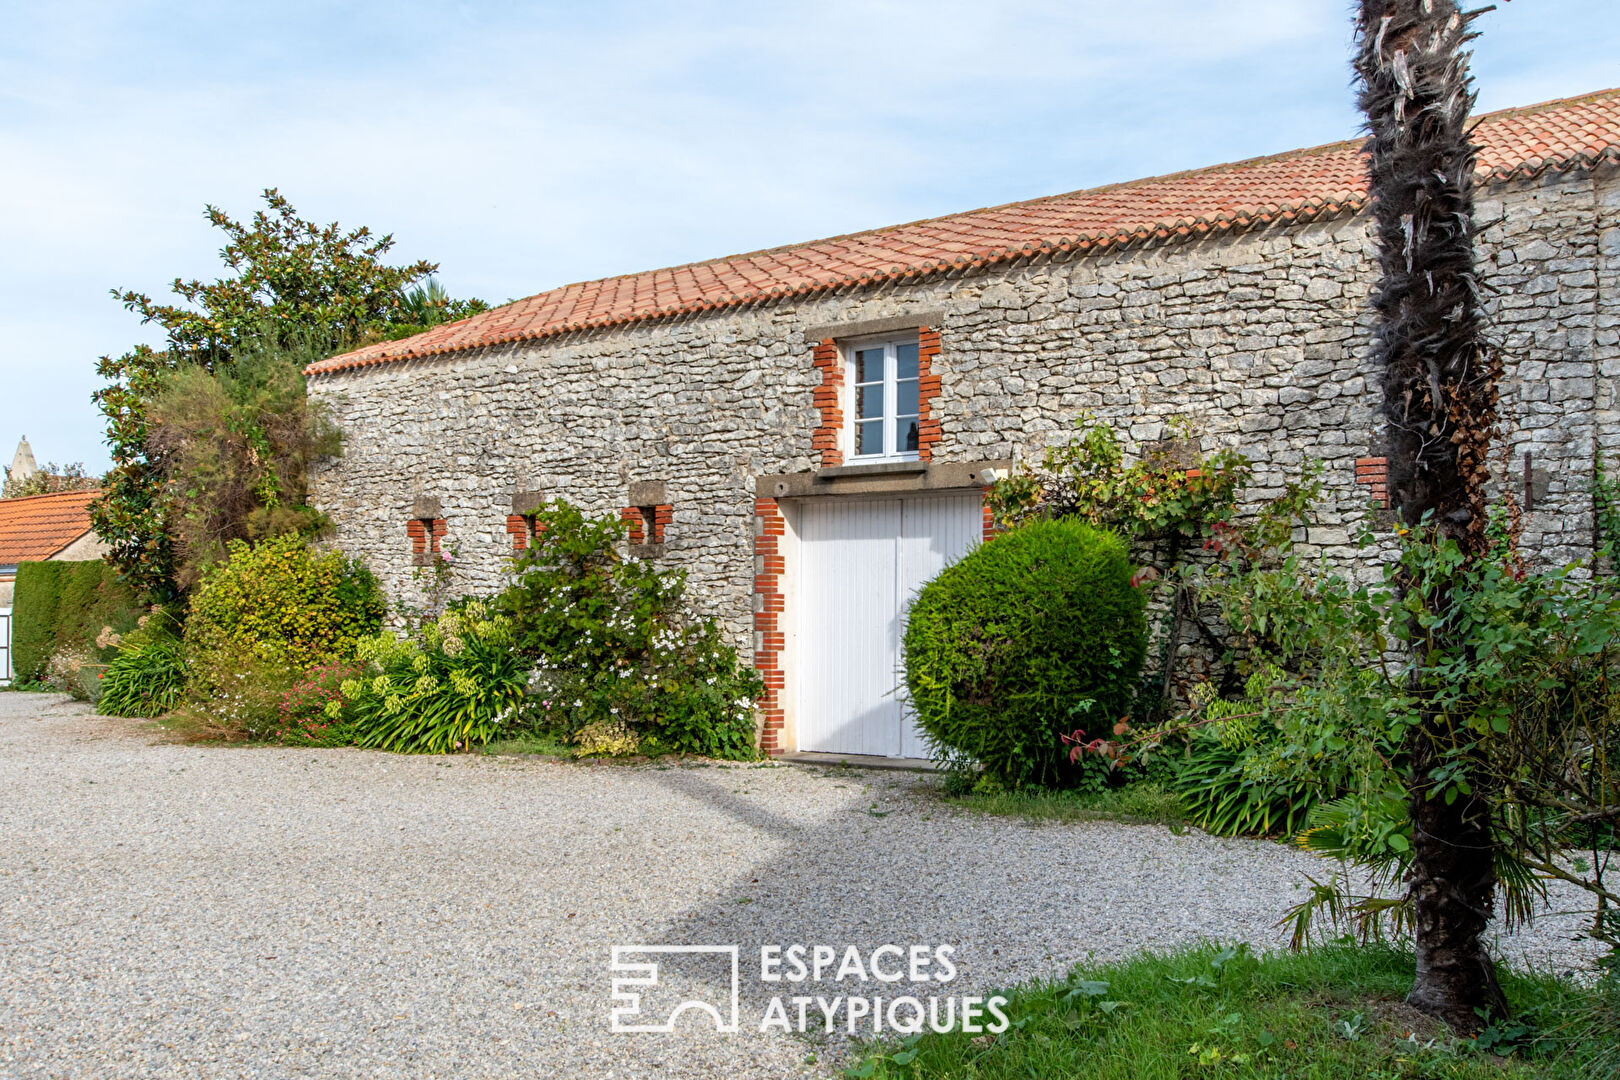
column 524, row 146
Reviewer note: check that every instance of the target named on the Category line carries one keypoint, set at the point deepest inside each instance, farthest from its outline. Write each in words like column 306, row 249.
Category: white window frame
column 891, row 397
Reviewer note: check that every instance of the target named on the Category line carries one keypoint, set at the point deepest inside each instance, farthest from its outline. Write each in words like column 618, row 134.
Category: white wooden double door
column 861, row 562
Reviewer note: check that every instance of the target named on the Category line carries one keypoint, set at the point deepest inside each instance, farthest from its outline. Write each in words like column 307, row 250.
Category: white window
column 884, row 420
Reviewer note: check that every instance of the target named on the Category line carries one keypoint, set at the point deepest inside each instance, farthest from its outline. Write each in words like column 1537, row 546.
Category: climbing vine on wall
column 1162, row 495
column 1164, row 502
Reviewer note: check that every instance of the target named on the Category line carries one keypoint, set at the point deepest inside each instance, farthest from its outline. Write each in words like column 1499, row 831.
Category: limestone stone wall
column 1259, row 339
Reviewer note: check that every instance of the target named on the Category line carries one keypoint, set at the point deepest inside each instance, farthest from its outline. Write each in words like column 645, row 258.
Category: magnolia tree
column 211, row 436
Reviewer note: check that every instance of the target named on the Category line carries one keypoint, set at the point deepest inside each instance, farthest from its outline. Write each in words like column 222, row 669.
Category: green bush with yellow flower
column 285, row 602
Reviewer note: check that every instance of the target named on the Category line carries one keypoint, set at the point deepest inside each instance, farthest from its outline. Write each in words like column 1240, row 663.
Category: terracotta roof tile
column 39, row 526
column 1297, row 186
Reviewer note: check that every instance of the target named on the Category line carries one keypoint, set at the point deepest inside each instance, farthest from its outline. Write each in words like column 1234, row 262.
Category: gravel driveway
column 183, row 911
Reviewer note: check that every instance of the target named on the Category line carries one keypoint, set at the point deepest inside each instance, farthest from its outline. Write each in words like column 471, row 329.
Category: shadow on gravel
column 700, row 786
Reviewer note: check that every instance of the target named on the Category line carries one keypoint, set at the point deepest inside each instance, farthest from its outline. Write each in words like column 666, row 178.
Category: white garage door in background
column 860, row 563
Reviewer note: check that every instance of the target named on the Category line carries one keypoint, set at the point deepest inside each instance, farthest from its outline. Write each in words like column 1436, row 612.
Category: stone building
column 806, row 430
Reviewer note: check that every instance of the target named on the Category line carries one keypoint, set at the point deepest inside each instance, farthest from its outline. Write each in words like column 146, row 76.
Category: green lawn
column 1334, row 1013
column 1136, row 803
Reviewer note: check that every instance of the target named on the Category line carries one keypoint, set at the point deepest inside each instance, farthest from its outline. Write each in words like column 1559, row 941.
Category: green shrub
column 687, row 693
column 1033, row 635
column 455, row 685
column 72, row 606
column 612, row 644
column 234, row 695
column 96, row 608
column 147, row 678
column 1235, row 777
column 36, row 595
column 286, row 603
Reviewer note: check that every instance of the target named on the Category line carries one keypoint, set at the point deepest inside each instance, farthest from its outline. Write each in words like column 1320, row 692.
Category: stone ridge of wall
column 1259, row 339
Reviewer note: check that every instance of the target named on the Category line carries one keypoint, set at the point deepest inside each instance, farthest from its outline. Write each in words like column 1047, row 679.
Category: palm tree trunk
column 1439, row 404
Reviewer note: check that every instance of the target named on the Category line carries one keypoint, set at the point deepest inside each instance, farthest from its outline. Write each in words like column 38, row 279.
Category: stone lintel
column 865, row 327
column 648, row 493
column 525, row 503
column 910, row 478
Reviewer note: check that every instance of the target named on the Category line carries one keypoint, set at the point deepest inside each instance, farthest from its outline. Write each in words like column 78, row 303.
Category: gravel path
column 184, row 911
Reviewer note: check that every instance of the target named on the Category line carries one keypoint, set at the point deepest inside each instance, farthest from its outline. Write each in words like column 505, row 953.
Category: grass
column 553, row 745
column 547, row 745
column 1141, row 803
column 1334, row 1013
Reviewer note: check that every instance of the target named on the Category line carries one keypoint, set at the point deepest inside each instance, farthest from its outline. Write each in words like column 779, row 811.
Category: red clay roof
column 1297, row 186
column 41, row 525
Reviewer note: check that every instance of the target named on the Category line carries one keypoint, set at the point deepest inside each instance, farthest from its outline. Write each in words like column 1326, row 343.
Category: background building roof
column 39, row 526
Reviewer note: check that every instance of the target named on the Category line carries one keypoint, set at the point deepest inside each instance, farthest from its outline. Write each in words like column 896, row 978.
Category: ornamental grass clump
column 147, row 677
column 453, row 685
column 1029, row 637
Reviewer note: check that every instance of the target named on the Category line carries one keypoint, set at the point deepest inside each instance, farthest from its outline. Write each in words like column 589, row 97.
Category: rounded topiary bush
column 1005, row 648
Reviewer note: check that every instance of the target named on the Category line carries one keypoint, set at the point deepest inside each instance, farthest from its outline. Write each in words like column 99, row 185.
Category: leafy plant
column 236, row 443
column 285, row 602
column 1222, row 799
column 1028, row 637
column 1167, row 498
column 233, row 694
column 146, row 678
column 289, row 283
column 1160, row 494
column 1518, row 667
column 422, row 308
column 612, row 644
column 455, row 685
column 311, row 709
column 1233, row 776
column 609, row 740
column 48, row 479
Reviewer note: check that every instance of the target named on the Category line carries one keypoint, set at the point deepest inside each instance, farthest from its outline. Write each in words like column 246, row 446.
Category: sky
column 526, row 146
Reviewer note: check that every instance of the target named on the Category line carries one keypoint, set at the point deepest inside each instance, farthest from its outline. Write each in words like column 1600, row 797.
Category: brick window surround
column 770, row 637
column 828, row 437
column 522, row 529
column 648, row 519
column 1374, row 472
column 928, row 430
column 426, row 536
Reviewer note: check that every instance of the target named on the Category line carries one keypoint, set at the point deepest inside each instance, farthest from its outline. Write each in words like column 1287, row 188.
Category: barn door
column 860, row 564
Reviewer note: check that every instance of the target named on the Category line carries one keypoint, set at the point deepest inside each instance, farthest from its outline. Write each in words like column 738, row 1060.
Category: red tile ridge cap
column 15, row 499
column 443, row 340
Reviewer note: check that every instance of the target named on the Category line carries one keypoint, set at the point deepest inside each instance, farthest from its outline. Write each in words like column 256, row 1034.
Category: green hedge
column 57, row 604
